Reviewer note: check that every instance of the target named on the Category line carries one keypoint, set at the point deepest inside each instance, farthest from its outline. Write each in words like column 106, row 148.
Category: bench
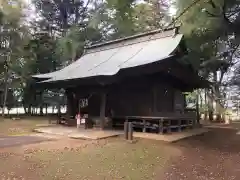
column 160, row 124
column 64, row 120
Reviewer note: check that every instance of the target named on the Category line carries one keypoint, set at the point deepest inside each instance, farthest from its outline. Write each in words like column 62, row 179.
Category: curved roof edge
column 166, row 41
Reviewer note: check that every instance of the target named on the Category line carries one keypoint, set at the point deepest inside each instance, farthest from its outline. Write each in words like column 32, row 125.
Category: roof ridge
column 130, row 41
column 133, row 37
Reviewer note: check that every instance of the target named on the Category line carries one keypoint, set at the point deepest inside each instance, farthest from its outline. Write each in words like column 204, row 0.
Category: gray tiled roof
column 109, row 58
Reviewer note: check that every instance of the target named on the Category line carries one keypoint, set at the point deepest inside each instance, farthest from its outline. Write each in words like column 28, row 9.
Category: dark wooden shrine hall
column 141, row 77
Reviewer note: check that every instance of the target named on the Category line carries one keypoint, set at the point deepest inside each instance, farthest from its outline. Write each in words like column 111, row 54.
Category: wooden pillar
column 69, row 103
column 197, row 109
column 126, row 130
column 74, row 104
column 103, row 100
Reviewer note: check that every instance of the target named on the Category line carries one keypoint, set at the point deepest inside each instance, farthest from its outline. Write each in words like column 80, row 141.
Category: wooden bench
column 160, row 124
column 64, row 120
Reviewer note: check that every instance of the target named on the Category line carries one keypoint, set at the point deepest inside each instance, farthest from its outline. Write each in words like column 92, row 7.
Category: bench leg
column 188, row 124
column 179, row 125
column 160, row 127
column 144, row 126
column 169, row 127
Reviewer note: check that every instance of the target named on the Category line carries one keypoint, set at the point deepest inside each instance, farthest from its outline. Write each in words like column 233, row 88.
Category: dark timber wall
column 141, row 96
column 130, row 100
column 145, row 100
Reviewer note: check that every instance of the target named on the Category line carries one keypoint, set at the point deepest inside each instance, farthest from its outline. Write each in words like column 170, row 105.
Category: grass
column 9, row 127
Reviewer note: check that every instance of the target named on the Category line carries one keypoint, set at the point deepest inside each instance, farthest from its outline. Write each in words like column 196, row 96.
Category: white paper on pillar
column 82, row 121
column 78, row 121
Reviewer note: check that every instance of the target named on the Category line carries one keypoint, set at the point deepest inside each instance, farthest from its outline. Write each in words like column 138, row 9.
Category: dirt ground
column 213, row 155
column 21, row 126
column 80, row 159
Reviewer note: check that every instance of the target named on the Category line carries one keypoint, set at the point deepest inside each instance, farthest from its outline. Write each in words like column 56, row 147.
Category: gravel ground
column 214, row 155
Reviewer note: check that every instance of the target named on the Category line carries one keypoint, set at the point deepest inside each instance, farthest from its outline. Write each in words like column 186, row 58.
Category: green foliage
column 212, row 31
column 122, row 19
column 11, row 101
column 150, row 15
column 42, row 48
column 12, row 39
column 60, row 15
column 211, row 44
column 72, row 44
column 196, row 19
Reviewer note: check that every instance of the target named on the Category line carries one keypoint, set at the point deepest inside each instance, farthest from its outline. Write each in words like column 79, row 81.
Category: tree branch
column 212, row 3
column 182, row 13
column 224, row 10
column 211, row 14
column 233, row 13
column 234, row 50
column 85, row 9
column 221, row 77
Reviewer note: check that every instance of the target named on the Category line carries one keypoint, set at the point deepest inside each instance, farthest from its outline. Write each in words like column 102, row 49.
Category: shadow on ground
column 224, row 140
column 10, row 141
column 213, row 155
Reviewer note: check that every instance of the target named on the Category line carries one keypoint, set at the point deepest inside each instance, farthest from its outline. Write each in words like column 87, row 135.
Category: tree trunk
column 5, row 89
column 205, row 102
column 210, row 115
column 25, row 110
column 218, row 112
column 201, row 103
column 219, row 106
column 41, row 110
column 73, row 54
column 210, row 107
column 197, row 107
column 59, row 110
column 32, row 111
column 46, row 109
column 29, row 109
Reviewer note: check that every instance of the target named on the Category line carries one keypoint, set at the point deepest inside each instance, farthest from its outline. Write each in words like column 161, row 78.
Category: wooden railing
column 159, row 124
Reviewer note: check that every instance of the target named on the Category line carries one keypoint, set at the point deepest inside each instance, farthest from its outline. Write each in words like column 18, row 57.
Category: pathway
column 9, row 141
